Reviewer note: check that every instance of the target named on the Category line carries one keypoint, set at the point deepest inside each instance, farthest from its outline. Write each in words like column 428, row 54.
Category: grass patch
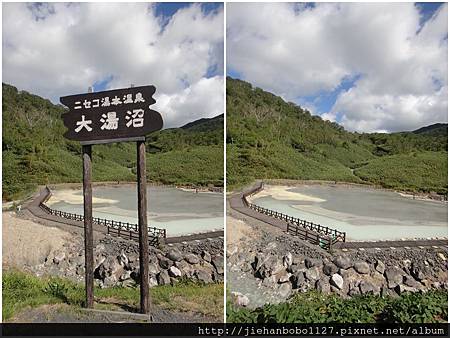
column 202, row 298
column 314, row 307
column 21, row 290
column 418, row 171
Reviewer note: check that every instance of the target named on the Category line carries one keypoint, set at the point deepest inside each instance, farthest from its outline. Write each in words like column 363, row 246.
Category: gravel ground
column 26, row 243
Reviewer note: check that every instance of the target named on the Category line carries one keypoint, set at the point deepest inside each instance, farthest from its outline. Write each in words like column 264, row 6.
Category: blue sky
column 168, row 9
column 322, row 101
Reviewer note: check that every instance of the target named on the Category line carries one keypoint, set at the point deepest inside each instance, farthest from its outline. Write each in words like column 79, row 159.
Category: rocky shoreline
column 275, row 267
column 116, row 262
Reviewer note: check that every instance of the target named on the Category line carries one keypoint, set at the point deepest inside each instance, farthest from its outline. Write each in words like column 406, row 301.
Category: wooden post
column 88, row 234
column 143, row 232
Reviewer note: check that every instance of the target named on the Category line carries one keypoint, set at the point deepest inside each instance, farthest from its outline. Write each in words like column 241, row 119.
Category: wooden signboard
column 104, row 117
column 111, row 116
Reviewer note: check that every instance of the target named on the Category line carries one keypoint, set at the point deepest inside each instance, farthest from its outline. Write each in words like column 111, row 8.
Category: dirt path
column 238, row 231
column 26, row 243
column 63, row 313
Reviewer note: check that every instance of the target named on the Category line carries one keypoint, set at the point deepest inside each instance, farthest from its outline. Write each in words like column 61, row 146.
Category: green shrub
column 313, row 307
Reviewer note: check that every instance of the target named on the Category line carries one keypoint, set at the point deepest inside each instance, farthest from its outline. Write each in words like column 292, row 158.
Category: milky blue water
column 364, row 213
column 179, row 212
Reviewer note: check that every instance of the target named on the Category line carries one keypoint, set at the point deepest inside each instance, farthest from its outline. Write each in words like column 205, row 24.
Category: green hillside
column 35, row 152
column 270, row 138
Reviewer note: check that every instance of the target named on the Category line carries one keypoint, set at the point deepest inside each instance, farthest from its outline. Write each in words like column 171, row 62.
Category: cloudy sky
column 57, row 49
column 370, row 67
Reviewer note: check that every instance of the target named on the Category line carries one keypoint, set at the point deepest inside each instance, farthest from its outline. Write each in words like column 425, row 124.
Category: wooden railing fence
column 314, row 233
column 117, row 228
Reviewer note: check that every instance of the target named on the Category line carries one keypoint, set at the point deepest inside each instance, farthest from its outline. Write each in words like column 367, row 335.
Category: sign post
column 88, row 232
column 104, row 117
column 143, row 233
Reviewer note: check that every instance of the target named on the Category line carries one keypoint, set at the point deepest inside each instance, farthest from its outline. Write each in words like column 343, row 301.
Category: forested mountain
column 270, row 138
column 35, row 152
column 434, row 129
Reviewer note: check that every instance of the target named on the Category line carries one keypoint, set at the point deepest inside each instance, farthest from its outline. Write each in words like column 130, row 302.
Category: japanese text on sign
column 107, row 102
column 111, row 115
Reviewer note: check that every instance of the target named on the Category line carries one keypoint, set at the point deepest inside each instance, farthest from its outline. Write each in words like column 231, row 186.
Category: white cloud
column 402, row 76
column 191, row 102
column 59, row 49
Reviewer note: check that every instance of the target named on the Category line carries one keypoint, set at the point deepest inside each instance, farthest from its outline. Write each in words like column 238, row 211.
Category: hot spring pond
column 178, row 211
column 363, row 213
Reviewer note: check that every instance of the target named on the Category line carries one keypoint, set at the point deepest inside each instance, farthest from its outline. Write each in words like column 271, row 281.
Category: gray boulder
column 287, row 260
column 163, row 278
column 337, row 281
column 353, row 290
column 59, row 256
column 185, row 268
column 99, row 259
column 259, row 260
column 310, row 262
column 299, row 267
column 386, row 292
column 271, row 266
column 126, row 275
column 123, row 259
column 403, row 288
column 239, row 299
column 174, row 272
column 417, row 272
column 174, row 255
column 283, row 277
column 411, row 282
column 109, row 281
column 192, row 259
column 394, row 276
column 203, row 275
column 322, row 285
column 298, row 279
column 152, row 281
column 342, row 262
column 153, row 269
column 361, row 267
column 329, row 269
column 217, row 262
column 285, row 290
column 206, row 256
column 380, row 267
column 367, row 287
column 164, row 262
column 312, row 274
column 113, row 267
